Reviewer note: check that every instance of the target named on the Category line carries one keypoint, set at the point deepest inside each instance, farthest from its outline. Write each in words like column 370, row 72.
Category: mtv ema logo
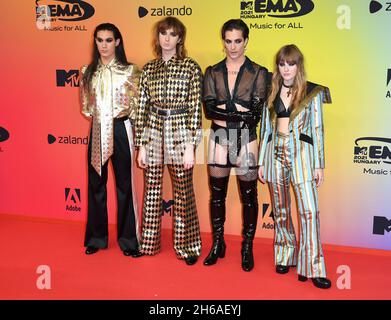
column 63, row 10
column 381, row 224
column 72, row 199
column 372, row 150
column 69, row 78
column 275, row 8
column 376, row 6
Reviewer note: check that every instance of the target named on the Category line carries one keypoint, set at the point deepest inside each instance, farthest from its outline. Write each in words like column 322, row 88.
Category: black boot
column 217, row 211
column 322, row 283
column 282, row 269
column 91, row 250
column 249, row 195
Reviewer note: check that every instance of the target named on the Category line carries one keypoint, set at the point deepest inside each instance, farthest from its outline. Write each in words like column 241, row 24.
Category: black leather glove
column 257, row 104
column 212, row 112
column 254, row 115
column 251, row 118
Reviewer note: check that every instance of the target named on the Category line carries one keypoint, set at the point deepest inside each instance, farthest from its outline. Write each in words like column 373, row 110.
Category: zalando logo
column 67, row 139
column 375, row 6
column 165, row 11
column 4, row 134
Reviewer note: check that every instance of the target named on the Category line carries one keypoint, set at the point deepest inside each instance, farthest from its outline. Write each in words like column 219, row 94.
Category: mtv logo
column 265, row 207
column 361, row 151
column 167, row 207
column 42, row 10
column 72, row 195
column 247, row 5
column 381, row 224
column 388, row 76
column 69, row 78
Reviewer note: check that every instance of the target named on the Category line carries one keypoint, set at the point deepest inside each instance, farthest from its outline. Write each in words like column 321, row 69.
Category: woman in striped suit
column 291, row 150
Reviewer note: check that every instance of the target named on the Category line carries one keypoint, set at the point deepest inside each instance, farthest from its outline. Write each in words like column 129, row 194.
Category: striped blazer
column 306, row 139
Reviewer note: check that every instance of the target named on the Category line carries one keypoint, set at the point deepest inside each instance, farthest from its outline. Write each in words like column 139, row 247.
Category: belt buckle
column 159, row 111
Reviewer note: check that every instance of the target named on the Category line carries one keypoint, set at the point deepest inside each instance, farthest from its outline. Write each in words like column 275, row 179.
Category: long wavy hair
column 119, row 51
column 289, row 54
column 178, row 27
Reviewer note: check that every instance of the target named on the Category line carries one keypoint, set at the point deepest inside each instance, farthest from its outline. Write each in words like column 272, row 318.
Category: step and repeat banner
column 44, row 137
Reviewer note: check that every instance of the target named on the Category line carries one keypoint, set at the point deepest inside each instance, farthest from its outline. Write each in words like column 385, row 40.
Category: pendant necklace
column 289, row 92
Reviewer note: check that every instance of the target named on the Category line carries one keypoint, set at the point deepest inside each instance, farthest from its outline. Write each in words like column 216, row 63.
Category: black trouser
column 97, row 220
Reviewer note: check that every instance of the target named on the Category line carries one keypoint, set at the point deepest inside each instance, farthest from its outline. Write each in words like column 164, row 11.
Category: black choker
column 289, row 92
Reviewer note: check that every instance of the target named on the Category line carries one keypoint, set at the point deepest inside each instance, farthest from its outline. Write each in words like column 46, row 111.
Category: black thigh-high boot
column 217, row 212
column 249, row 195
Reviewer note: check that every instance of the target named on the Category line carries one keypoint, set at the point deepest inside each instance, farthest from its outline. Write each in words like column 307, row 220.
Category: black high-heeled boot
column 249, row 195
column 217, row 212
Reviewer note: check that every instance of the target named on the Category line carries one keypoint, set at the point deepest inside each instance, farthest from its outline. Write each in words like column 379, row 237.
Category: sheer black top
column 279, row 107
column 250, row 89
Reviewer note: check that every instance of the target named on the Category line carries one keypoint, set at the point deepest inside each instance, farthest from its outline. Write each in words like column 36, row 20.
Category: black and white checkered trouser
column 166, row 147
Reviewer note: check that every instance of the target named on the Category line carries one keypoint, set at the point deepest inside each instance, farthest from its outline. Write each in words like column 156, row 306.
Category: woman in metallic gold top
column 234, row 92
column 168, row 128
column 109, row 96
column 291, row 151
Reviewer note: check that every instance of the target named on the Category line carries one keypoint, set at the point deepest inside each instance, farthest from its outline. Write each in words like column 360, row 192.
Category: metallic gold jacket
column 124, row 82
column 175, row 84
column 112, row 93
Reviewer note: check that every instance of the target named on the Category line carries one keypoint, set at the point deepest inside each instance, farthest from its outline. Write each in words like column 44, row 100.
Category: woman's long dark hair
column 119, row 51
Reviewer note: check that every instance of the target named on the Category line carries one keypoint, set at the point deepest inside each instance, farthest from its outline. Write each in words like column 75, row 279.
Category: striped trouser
column 309, row 257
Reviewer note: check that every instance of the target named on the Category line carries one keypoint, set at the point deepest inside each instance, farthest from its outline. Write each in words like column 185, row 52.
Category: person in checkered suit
column 168, row 129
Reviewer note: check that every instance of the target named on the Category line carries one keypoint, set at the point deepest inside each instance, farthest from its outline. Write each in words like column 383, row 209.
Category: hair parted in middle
column 289, row 54
column 235, row 24
column 179, row 29
column 120, row 54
